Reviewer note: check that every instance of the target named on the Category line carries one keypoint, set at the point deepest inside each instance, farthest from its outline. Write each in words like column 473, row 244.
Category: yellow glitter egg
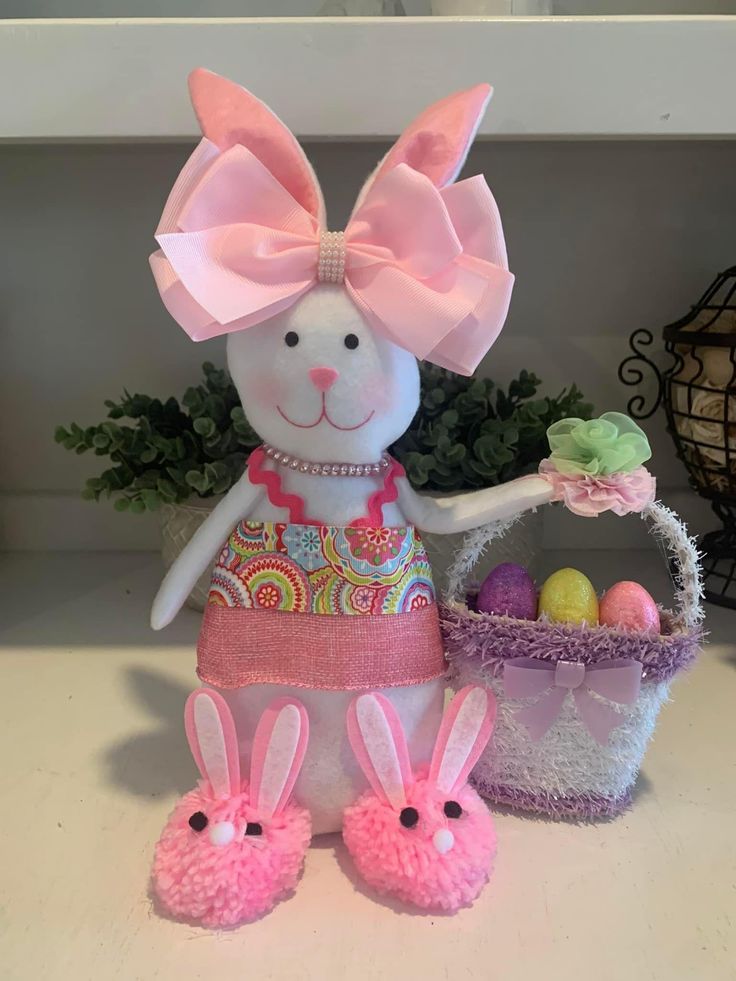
column 568, row 596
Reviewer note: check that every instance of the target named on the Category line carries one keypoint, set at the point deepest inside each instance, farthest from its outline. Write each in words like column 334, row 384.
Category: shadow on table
column 155, row 762
column 94, row 599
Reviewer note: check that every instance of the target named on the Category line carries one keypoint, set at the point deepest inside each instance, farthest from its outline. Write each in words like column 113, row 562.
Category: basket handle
column 662, row 522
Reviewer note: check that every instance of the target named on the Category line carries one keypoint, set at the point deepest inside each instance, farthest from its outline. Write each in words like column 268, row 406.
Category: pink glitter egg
column 629, row 605
column 509, row 590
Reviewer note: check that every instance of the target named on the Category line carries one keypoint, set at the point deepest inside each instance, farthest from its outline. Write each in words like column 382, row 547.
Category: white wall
column 603, row 237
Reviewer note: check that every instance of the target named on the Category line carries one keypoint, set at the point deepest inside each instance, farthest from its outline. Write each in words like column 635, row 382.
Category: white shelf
column 96, row 756
column 598, row 77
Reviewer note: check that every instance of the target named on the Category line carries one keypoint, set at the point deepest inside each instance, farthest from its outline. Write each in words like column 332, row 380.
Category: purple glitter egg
column 509, row 590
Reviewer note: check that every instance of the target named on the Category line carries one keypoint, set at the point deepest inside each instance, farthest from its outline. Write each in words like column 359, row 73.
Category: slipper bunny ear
column 279, row 746
column 437, row 142
column 466, row 728
column 377, row 738
column 229, row 115
column 211, row 734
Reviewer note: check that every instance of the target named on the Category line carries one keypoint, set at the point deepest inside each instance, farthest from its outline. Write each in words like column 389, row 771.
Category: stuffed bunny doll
column 322, row 588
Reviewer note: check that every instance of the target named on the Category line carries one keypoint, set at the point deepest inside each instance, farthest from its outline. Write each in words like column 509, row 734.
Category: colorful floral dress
column 321, row 606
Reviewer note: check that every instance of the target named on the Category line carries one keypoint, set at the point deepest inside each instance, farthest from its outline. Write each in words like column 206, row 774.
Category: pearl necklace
column 327, row 469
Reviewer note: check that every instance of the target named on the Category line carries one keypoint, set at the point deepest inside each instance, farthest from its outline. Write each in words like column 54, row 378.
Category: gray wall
column 603, row 238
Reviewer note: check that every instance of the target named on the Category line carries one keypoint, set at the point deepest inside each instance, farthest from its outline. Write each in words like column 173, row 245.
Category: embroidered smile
column 325, row 415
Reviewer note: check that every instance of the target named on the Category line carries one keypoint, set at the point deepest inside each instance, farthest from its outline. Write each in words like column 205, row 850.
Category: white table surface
column 95, row 757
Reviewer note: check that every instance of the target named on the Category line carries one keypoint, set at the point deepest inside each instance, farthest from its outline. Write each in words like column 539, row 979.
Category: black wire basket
column 698, row 392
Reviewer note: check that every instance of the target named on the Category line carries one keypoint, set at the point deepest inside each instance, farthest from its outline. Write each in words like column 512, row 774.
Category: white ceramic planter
column 178, row 523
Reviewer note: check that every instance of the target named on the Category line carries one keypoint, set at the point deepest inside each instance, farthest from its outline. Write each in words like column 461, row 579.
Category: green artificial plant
column 467, row 433
column 470, row 433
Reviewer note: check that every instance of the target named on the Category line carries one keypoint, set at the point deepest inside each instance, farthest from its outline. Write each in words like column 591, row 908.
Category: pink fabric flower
column 589, row 496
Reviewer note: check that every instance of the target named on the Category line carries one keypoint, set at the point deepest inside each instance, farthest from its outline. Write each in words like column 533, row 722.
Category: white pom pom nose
column 222, row 833
column 443, row 840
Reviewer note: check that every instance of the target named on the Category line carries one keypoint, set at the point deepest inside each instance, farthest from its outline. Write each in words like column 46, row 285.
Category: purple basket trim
column 576, row 806
column 495, row 639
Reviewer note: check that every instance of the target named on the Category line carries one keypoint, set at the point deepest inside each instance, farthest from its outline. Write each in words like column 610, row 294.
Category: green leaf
column 151, row 500
column 198, row 481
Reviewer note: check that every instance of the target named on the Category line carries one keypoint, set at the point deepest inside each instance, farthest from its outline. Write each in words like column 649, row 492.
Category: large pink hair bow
column 243, row 235
column 617, row 680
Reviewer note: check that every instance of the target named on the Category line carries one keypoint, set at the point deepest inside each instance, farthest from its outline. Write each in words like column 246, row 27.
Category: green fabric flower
column 613, row 443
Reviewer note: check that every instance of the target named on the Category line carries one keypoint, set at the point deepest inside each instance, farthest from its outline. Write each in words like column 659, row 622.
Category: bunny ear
column 229, row 114
column 377, row 737
column 466, row 728
column 437, row 142
column 211, row 733
column 279, row 746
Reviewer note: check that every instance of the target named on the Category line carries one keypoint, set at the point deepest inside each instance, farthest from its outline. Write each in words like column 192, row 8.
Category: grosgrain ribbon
column 421, row 264
column 616, row 680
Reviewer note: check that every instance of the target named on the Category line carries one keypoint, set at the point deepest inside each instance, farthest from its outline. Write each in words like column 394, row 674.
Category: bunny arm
column 199, row 552
column 445, row 515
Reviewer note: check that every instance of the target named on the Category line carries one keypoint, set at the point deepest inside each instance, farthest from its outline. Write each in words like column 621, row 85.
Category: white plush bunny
column 322, row 588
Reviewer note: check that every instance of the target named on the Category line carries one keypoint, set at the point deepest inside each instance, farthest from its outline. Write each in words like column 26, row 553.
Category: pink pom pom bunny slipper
column 426, row 838
column 232, row 848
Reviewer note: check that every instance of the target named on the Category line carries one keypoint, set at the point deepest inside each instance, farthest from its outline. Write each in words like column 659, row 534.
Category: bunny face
column 231, row 849
column 316, row 381
column 426, row 839
column 209, row 848
column 435, row 852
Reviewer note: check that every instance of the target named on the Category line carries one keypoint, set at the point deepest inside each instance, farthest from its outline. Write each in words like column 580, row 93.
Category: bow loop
column 403, row 221
column 236, row 248
column 618, row 681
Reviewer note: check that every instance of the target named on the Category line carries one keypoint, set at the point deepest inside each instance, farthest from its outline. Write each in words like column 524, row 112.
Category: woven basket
column 568, row 772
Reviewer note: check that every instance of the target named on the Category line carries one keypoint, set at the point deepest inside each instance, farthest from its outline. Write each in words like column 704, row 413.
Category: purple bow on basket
column 618, row 681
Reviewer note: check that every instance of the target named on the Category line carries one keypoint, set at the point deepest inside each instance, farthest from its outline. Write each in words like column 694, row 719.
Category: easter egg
column 508, row 590
column 568, row 596
column 629, row 605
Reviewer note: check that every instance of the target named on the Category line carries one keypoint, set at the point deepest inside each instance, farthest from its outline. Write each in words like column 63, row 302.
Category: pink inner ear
column 377, row 739
column 438, row 140
column 466, row 728
column 228, row 114
column 279, row 745
column 213, row 741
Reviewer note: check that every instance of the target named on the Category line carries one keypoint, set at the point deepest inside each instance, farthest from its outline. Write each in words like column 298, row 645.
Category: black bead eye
column 291, row 339
column 198, row 821
column 351, row 342
column 452, row 809
column 409, row 816
column 253, row 828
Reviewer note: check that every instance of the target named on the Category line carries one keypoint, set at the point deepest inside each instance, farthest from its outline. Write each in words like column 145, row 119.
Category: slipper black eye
column 291, row 339
column 198, row 821
column 409, row 816
column 351, row 342
column 253, row 828
column 452, row 809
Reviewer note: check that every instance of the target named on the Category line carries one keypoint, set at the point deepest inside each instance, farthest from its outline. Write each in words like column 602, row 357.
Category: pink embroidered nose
column 323, row 378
